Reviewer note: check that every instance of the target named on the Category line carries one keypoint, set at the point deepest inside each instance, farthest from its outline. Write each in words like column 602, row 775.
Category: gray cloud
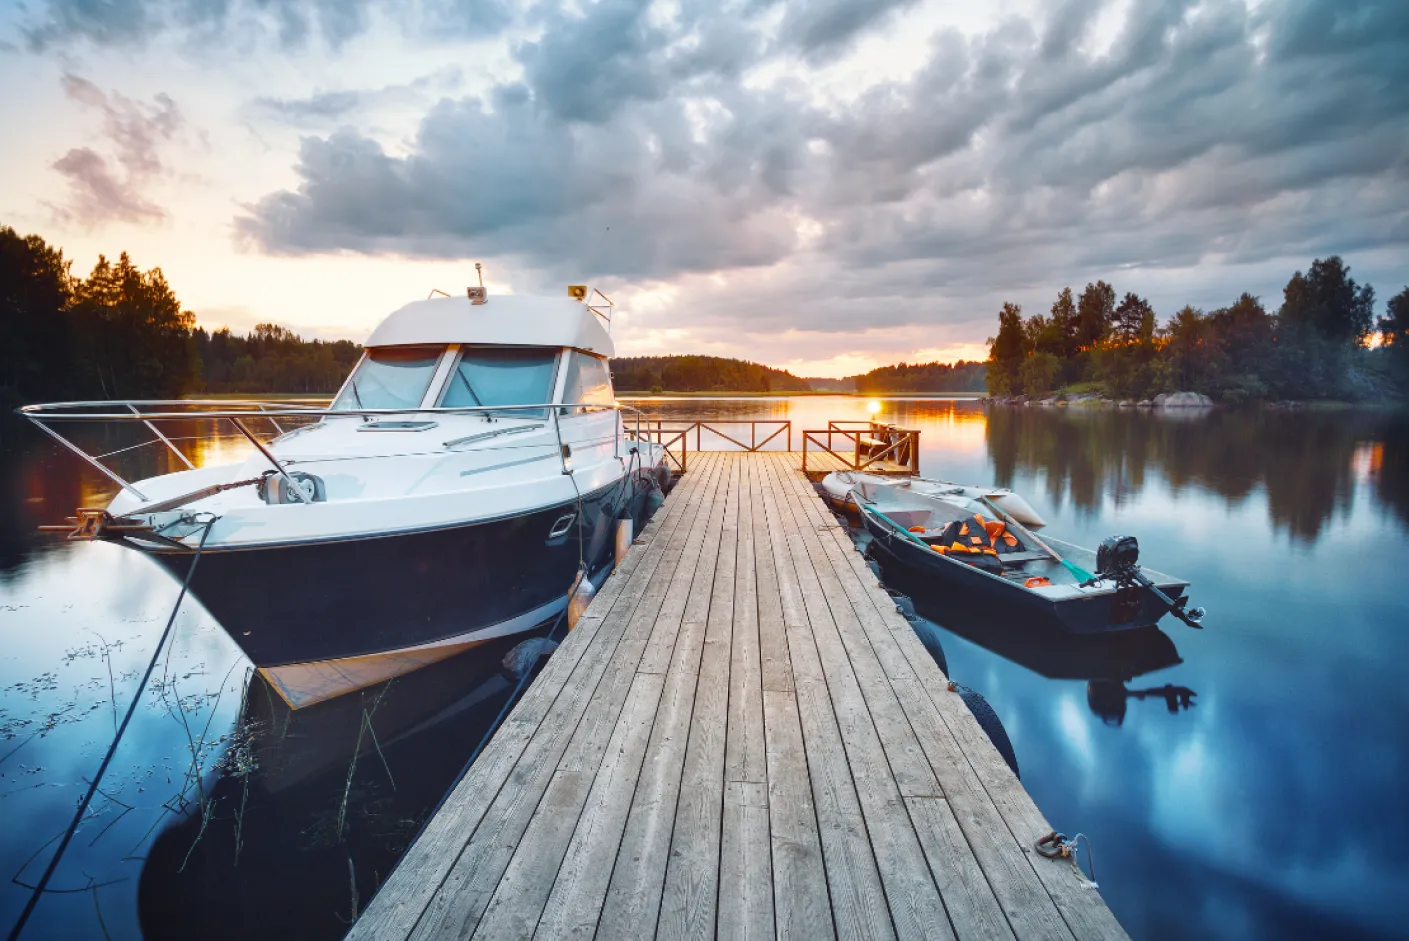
column 293, row 24
column 1202, row 136
column 331, row 106
column 97, row 195
column 136, row 131
column 822, row 29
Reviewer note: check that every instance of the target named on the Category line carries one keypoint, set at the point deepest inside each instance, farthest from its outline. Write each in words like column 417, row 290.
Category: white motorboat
column 839, row 485
column 473, row 468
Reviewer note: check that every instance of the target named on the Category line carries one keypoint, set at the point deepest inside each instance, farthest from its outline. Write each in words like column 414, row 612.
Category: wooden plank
column 777, row 673
column 743, row 753
column 569, row 895
column 853, row 664
column 711, row 587
column 1030, row 911
column 970, row 771
column 632, row 905
column 690, row 895
column 399, row 904
column 596, row 701
column 859, row 907
column 688, row 597
column 914, row 902
column 973, row 908
column 745, row 863
column 803, row 908
column 745, row 867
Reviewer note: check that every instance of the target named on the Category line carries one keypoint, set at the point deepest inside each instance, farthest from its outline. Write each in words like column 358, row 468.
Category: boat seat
column 1031, row 555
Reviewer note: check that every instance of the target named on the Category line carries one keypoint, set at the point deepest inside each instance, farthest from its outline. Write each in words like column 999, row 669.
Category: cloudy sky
column 822, row 186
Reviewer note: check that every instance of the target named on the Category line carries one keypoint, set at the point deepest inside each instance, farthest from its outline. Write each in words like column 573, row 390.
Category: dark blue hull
column 1096, row 614
column 356, row 597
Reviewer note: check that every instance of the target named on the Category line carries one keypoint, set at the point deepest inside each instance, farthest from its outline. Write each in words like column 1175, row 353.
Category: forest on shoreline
column 120, row 332
column 1323, row 342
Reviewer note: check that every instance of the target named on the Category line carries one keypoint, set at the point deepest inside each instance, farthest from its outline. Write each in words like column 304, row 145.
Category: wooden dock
column 742, row 738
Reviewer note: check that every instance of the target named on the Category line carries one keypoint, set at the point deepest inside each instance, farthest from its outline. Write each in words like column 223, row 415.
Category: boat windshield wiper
column 356, row 397
column 460, row 374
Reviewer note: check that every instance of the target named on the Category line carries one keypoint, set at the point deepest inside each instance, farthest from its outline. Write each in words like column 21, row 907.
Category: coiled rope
column 1056, row 846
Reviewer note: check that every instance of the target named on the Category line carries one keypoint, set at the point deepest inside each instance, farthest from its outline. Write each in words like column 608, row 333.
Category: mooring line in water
column 41, row 886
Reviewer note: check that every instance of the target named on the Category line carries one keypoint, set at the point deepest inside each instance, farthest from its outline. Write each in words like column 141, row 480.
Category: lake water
column 1243, row 781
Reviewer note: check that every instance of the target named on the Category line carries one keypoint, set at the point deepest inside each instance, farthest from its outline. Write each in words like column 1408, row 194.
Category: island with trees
column 1323, row 342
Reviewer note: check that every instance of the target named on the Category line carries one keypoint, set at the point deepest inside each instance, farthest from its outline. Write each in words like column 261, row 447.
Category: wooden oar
column 1076, row 570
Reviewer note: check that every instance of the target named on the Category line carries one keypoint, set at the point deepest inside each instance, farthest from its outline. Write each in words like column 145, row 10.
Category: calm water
column 1270, row 806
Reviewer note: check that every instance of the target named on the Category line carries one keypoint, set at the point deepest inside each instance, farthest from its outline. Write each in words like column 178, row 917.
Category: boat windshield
column 502, row 375
column 391, row 377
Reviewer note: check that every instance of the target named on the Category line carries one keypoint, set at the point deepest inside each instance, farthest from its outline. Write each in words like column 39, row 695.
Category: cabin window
column 391, row 377
column 589, row 382
column 494, row 376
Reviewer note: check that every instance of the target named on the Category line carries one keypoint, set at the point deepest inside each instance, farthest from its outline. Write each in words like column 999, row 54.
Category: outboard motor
column 1118, row 557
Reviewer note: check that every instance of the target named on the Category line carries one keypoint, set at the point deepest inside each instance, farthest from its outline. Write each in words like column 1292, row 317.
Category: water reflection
column 1296, row 722
column 1306, row 462
column 1107, row 662
column 315, row 806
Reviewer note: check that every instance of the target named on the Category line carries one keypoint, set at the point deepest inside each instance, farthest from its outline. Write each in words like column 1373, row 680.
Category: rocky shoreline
column 1175, row 400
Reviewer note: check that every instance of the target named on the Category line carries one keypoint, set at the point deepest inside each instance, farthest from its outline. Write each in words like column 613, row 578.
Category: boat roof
column 502, row 320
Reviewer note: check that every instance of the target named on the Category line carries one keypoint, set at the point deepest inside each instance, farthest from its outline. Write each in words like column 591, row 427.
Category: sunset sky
column 822, row 186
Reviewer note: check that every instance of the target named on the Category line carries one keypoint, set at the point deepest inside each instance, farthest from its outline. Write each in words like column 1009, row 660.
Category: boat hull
column 1097, row 613
column 417, row 595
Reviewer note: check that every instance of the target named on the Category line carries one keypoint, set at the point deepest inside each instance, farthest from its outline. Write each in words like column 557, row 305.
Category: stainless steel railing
column 240, row 413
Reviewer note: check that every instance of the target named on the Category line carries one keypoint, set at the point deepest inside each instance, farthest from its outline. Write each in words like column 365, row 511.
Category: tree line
column 962, row 376
column 121, row 333
column 692, row 373
column 1316, row 345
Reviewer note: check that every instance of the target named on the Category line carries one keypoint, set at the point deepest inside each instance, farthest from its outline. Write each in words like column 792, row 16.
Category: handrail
column 234, row 411
column 908, row 440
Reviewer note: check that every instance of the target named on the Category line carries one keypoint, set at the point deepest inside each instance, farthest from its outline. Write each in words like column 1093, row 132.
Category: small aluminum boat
column 989, row 558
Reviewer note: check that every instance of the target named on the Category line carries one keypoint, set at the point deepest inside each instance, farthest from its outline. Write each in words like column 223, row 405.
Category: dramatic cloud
column 807, row 176
column 103, row 190
column 292, row 23
column 1016, row 158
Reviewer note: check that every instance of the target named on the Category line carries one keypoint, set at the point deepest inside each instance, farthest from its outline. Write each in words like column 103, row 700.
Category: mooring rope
column 43, row 882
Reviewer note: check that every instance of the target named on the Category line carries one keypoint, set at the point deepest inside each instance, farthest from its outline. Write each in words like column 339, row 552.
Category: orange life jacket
column 1003, row 540
column 967, row 535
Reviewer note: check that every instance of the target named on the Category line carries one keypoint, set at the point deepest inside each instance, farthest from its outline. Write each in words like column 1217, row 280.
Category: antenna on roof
column 477, row 295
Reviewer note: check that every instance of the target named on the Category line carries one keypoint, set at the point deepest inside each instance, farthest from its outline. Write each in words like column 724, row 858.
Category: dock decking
column 742, row 738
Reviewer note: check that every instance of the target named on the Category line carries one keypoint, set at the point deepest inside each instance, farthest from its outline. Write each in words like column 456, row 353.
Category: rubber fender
column 929, row 636
column 522, row 657
column 992, row 727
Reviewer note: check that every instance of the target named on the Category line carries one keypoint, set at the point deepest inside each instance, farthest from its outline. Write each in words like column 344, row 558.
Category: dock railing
column 673, row 435
column 871, row 443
